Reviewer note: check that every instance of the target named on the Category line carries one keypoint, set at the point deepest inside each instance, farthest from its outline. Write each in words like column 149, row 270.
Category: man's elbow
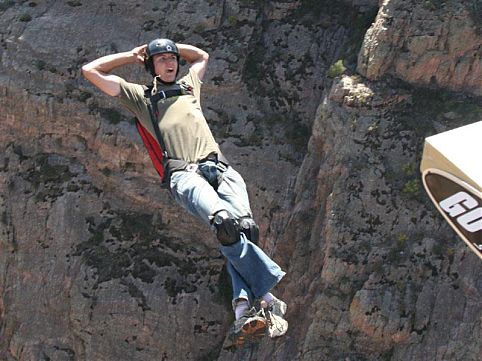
column 86, row 71
column 205, row 56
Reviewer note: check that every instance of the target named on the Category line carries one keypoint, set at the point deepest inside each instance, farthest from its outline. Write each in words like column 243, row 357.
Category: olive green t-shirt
column 184, row 129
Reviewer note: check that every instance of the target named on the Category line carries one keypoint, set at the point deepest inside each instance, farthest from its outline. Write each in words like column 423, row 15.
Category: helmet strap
column 157, row 79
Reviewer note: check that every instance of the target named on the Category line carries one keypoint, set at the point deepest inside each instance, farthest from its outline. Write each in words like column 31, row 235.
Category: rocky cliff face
column 98, row 263
column 435, row 43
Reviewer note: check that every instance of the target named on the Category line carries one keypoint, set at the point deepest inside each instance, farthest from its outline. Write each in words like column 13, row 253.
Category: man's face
column 165, row 65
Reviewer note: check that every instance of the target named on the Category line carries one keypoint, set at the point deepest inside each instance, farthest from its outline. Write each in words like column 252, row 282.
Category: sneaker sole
column 255, row 328
column 252, row 331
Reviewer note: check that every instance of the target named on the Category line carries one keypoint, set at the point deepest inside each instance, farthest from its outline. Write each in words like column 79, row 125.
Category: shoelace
column 266, row 310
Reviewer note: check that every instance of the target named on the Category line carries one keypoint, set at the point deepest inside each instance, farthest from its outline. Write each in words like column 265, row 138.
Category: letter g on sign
column 453, row 204
column 460, row 203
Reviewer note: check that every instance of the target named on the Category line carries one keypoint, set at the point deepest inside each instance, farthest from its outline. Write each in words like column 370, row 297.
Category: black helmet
column 159, row 46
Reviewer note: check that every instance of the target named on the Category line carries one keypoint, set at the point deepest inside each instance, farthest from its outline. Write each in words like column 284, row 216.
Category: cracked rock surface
column 97, row 262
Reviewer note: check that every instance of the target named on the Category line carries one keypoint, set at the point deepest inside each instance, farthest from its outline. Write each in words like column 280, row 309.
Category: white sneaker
column 274, row 311
column 277, row 307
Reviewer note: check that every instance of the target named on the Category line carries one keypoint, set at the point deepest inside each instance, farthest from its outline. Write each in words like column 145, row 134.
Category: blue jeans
column 253, row 273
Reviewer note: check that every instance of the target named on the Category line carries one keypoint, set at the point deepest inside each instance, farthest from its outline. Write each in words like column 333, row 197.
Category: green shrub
column 433, row 4
column 40, row 64
column 232, row 20
column 336, row 69
column 25, row 18
column 411, row 188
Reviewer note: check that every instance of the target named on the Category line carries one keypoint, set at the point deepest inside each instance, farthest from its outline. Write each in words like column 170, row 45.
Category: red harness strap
column 153, row 148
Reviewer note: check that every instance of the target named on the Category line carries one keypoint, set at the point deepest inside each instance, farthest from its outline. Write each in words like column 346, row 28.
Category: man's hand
column 140, row 54
column 197, row 58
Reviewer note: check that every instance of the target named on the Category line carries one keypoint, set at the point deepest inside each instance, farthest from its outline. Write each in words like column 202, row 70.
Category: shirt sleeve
column 132, row 98
column 192, row 79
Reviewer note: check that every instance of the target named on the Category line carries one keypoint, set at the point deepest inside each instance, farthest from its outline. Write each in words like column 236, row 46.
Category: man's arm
column 98, row 71
column 197, row 58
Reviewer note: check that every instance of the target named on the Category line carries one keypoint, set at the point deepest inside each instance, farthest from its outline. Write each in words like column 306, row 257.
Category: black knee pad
column 248, row 226
column 227, row 229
